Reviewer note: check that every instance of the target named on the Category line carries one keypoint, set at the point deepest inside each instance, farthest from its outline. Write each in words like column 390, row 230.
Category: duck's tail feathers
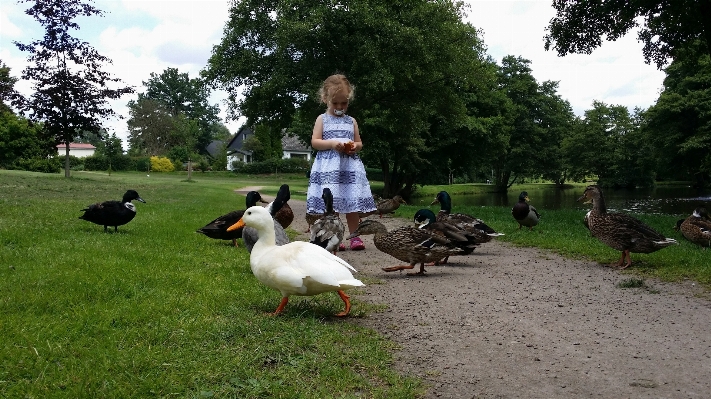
column 666, row 242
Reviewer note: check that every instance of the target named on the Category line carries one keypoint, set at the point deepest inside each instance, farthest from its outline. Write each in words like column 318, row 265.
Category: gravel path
column 508, row 322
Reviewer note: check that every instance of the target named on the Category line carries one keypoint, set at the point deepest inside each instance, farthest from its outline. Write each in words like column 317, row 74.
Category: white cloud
column 615, row 73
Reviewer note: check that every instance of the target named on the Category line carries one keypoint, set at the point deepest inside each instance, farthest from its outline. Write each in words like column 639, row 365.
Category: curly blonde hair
column 333, row 85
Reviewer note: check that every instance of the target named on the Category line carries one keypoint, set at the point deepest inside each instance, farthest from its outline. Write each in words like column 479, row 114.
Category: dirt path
column 509, row 322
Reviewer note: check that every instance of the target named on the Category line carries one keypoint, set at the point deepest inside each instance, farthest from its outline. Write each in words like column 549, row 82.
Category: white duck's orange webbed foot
column 347, row 301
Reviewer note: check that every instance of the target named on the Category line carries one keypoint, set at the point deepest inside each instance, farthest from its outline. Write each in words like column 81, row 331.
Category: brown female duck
column 697, row 227
column 408, row 244
column 619, row 231
column 389, row 205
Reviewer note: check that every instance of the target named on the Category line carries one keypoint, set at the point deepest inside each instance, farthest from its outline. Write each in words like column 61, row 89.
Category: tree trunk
column 66, row 160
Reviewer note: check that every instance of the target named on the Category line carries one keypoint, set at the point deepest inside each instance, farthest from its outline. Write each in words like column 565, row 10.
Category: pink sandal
column 357, row 244
column 342, row 247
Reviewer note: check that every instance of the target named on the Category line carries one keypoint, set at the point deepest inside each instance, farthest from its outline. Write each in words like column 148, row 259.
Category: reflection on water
column 677, row 200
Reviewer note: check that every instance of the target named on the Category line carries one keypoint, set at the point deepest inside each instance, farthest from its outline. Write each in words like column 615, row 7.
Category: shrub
column 291, row 165
column 44, row 165
column 161, row 164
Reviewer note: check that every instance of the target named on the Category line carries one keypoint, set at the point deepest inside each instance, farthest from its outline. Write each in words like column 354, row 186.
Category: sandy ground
column 509, row 322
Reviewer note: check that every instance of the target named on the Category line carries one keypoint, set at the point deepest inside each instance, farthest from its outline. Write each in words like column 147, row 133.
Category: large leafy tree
column 607, row 143
column 184, row 97
column 665, row 26
column 413, row 63
column 679, row 124
column 535, row 118
column 71, row 91
column 152, row 128
column 7, row 88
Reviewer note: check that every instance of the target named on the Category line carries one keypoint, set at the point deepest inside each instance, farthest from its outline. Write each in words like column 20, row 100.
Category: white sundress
column 343, row 174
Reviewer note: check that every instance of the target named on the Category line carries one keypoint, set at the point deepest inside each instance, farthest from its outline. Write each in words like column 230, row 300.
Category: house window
column 299, row 156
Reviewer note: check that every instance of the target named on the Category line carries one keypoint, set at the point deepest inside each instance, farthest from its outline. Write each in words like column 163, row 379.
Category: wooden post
column 190, row 168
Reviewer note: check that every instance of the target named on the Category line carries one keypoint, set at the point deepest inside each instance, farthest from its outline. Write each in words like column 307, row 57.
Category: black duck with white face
column 112, row 213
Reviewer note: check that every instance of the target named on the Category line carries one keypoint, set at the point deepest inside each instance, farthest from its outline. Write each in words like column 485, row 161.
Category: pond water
column 672, row 200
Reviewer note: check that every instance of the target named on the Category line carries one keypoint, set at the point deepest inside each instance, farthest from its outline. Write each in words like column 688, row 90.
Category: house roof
column 77, row 146
column 214, row 147
column 293, row 143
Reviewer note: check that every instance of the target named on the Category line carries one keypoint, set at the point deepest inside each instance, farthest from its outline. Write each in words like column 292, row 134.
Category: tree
column 607, row 143
column 151, row 128
column 21, row 139
column 411, row 61
column 186, row 98
column 527, row 143
column 679, row 123
column 7, row 88
column 71, row 92
column 668, row 26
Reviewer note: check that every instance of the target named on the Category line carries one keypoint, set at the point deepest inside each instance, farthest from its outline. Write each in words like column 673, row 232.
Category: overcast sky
column 144, row 36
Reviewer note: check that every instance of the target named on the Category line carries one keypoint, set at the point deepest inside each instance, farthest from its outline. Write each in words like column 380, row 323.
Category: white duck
column 296, row 268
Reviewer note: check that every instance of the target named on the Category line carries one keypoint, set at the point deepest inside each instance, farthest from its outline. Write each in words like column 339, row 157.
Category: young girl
column 337, row 165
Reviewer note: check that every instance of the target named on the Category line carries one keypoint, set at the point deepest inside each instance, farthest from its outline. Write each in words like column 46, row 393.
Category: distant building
column 79, row 150
column 293, row 147
column 234, row 147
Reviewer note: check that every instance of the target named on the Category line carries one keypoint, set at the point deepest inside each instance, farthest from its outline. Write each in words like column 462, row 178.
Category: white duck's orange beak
column 239, row 224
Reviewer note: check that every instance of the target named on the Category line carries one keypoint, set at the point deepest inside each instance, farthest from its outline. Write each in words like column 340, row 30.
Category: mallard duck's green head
column 444, row 200
column 523, row 197
column 253, row 197
column 424, row 217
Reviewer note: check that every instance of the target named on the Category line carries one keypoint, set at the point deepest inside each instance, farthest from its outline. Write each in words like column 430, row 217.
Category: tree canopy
column 679, row 124
column 173, row 111
column 71, row 91
column 665, row 26
column 411, row 61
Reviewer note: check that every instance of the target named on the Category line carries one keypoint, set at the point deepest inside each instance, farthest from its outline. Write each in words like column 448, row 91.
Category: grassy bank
column 157, row 309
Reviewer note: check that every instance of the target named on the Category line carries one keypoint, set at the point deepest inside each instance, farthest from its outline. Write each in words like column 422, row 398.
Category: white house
column 79, row 150
column 292, row 147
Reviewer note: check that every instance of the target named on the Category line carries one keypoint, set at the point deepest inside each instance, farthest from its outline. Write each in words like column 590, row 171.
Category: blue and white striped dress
column 343, row 174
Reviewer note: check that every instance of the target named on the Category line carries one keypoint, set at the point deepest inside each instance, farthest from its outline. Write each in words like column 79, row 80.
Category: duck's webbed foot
column 397, row 268
column 421, row 272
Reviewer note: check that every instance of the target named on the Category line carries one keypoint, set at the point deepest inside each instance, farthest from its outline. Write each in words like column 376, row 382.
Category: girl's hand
column 338, row 146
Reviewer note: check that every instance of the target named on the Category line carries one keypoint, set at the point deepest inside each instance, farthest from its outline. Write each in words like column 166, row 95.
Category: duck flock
column 311, row 268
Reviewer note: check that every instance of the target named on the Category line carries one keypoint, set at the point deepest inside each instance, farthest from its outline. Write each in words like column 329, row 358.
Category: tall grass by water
column 157, row 310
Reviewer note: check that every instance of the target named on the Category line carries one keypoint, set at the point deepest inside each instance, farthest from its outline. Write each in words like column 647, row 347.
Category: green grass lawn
column 157, row 309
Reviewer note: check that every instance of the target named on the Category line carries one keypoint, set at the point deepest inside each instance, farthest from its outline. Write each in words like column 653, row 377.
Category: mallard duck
column 408, row 244
column 619, row 231
column 217, row 229
column 296, row 268
column 477, row 227
column 389, row 205
column 327, row 232
column 426, row 219
column 697, row 227
column 311, row 218
column 284, row 215
column 112, row 213
column 250, row 234
column 525, row 214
